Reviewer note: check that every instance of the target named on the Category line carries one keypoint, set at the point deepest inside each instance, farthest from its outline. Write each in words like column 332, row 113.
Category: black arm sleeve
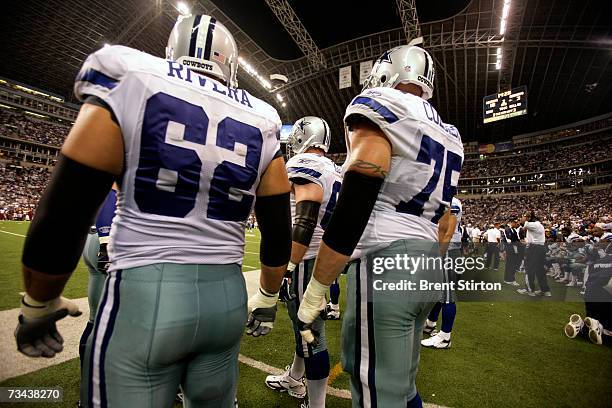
column 306, row 213
column 274, row 218
column 65, row 212
column 352, row 212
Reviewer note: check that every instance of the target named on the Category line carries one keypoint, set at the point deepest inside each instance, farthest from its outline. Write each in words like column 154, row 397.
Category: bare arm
column 446, row 229
column 95, row 141
column 371, row 156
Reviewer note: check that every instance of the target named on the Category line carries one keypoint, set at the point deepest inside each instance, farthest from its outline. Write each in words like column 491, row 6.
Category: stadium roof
column 559, row 49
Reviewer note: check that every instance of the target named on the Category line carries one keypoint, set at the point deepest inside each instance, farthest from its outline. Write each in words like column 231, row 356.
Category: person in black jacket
column 513, row 258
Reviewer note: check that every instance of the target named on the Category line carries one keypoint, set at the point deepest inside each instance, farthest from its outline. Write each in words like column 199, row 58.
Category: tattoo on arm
column 364, row 165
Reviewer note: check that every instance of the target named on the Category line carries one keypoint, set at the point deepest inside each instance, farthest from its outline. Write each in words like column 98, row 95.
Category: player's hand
column 103, row 261
column 262, row 312
column 36, row 332
column 312, row 306
column 286, row 293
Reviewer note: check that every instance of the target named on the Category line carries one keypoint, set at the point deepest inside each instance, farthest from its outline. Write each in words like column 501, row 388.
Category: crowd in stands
column 574, row 208
column 20, row 126
column 20, row 190
column 551, row 158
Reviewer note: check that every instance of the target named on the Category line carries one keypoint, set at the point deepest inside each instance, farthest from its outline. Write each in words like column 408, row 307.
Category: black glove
column 286, row 293
column 36, row 333
column 262, row 312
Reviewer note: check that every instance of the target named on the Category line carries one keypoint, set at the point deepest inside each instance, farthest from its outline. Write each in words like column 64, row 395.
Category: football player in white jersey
column 315, row 184
column 192, row 155
column 442, row 339
column 399, row 180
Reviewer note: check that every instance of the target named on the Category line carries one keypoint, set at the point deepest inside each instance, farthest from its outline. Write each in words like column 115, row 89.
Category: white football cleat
column 525, row 292
column 574, row 326
column 595, row 330
column 288, row 384
column 436, row 341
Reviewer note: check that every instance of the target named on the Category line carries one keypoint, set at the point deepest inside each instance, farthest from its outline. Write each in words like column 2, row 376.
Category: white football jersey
column 426, row 160
column 194, row 154
column 325, row 173
column 457, row 210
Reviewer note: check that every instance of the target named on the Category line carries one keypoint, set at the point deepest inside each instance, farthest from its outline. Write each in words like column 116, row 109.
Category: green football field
column 506, row 354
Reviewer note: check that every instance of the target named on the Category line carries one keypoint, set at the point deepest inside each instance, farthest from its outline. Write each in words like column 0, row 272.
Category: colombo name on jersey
column 323, row 172
column 427, row 155
column 194, row 153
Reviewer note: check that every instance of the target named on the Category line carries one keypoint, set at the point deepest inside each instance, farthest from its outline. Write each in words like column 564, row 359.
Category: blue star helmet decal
column 386, row 57
column 302, row 124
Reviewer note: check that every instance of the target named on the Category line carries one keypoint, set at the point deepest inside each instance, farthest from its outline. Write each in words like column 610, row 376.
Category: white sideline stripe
column 12, row 233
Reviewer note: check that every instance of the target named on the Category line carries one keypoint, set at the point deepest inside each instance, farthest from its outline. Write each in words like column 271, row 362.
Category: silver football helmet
column 203, row 44
column 406, row 64
column 310, row 131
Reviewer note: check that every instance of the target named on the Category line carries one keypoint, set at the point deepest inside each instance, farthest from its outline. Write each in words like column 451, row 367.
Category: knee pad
column 317, row 366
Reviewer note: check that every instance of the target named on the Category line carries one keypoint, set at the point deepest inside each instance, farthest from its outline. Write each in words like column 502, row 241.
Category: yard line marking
column 12, row 233
column 346, row 394
column 254, row 253
column 250, row 267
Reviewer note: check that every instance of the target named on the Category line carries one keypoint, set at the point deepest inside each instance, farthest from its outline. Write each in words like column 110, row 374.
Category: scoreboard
column 505, row 105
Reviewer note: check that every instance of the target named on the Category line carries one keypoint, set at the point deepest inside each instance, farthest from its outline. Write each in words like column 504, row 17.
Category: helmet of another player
column 204, row 45
column 310, row 131
column 405, row 64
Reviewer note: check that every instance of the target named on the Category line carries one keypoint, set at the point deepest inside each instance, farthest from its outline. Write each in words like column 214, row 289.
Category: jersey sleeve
column 309, row 168
column 101, row 74
column 375, row 105
column 387, row 108
column 271, row 147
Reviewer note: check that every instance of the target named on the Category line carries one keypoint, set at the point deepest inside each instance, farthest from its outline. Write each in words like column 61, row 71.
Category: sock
column 433, row 315
column 334, row 292
column 297, row 367
column 316, row 392
column 449, row 311
column 415, row 402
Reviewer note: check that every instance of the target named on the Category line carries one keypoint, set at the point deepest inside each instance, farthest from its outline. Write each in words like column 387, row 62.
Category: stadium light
column 498, row 58
column 284, row 104
column 279, row 97
column 183, row 8
column 504, row 17
column 253, row 72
